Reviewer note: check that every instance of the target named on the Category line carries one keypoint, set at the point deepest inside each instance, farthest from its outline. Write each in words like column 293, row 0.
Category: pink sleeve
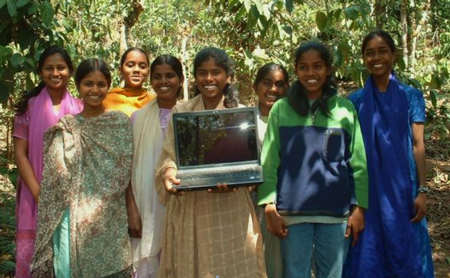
column 21, row 124
column 133, row 117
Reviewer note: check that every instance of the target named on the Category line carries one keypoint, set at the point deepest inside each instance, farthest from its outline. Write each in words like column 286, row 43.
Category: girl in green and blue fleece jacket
column 315, row 172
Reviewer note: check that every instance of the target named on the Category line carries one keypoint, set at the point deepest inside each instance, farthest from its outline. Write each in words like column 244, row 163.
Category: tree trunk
column 404, row 24
column 123, row 40
column 184, row 58
column 128, row 22
column 380, row 13
column 416, row 31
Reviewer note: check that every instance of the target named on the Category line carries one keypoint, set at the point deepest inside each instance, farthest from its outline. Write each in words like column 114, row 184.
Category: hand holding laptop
column 222, row 188
column 170, row 180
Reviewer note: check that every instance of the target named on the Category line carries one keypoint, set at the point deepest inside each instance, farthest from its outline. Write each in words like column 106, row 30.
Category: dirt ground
column 438, row 166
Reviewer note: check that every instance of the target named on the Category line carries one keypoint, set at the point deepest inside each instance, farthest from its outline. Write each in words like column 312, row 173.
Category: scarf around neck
column 42, row 117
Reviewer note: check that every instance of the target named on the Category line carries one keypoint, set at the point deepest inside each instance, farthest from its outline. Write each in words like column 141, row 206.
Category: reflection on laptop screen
column 216, row 138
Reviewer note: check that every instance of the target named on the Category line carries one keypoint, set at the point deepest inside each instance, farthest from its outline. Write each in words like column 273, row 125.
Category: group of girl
column 338, row 179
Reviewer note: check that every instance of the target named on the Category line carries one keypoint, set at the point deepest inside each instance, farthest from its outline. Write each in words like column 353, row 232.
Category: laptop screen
column 216, row 137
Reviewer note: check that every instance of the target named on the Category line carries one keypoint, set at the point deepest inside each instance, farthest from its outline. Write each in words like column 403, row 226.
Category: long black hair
column 90, row 65
column 223, row 61
column 21, row 106
column 296, row 94
column 173, row 62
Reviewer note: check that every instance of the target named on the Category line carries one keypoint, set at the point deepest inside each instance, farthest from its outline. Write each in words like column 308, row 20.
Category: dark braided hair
column 21, row 106
column 223, row 61
column 296, row 94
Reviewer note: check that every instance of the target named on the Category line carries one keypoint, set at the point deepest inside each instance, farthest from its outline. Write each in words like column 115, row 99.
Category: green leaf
column 7, row 265
column 21, row 3
column 247, row 5
column 289, row 4
column 27, row 37
column 259, row 6
column 266, row 11
column 47, row 14
column 337, row 14
column 2, row 3
column 433, row 98
column 12, row 9
column 338, row 57
column 287, row 29
column 13, row 175
column 351, row 12
column 401, row 63
column 4, row 93
column 17, row 60
column 321, row 20
column 33, row 9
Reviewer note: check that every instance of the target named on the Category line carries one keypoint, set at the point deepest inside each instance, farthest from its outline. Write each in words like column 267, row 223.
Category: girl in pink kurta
column 36, row 111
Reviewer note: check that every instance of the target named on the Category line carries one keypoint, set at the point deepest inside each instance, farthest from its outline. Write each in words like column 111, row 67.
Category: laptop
column 217, row 146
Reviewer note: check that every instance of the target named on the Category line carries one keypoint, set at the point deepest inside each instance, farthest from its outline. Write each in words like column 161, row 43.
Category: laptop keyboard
column 220, row 175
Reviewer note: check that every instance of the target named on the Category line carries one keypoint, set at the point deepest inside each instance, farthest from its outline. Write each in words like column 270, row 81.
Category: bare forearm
column 27, row 175
column 24, row 166
column 419, row 152
column 130, row 201
column 419, row 157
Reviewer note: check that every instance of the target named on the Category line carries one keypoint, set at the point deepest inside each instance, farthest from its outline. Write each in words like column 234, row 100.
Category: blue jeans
column 326, row 241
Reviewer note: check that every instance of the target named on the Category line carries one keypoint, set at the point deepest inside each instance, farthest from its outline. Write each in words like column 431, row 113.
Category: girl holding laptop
column 212, row 233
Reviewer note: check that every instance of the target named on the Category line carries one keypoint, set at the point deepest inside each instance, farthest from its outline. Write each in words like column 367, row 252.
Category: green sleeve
column 358, row 163
column 270, row 158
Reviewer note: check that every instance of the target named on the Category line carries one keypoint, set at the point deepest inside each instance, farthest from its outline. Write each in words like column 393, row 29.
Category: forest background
column 253, row 32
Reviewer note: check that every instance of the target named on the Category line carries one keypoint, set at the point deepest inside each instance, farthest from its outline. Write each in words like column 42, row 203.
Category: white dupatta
column 148, row 140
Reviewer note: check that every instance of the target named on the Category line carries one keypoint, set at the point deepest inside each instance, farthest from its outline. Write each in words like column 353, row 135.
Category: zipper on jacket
column 313, row 116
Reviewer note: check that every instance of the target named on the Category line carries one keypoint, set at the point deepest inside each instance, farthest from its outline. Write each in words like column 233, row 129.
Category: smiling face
column 211, row 80
column 55, row 73
column 165, row 82
column 93, row 89
column 378, row 57
column 135, row 69
column 312, row 72
column 270, row 89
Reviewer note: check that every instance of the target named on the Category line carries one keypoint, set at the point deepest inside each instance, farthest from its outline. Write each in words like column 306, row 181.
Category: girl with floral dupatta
column 395, row 242
column 82, row 219
column 36, row 111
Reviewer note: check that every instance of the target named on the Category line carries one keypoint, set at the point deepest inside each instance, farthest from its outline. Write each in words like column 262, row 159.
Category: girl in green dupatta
column 82, row 218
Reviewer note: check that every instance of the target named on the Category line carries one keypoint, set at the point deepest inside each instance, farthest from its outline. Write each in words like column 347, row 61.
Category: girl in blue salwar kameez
column 395, row 242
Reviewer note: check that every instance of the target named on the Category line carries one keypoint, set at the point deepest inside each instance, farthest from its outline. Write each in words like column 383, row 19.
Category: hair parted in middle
column 296, row 94
column 223, row 61
column 90, row 65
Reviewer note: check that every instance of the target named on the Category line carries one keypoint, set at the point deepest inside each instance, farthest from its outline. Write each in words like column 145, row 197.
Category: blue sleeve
column 356, row 97
column 416, row 105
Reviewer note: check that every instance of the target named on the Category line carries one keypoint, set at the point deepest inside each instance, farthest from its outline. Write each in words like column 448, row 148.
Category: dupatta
column 388, row 245
column 148, row 141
